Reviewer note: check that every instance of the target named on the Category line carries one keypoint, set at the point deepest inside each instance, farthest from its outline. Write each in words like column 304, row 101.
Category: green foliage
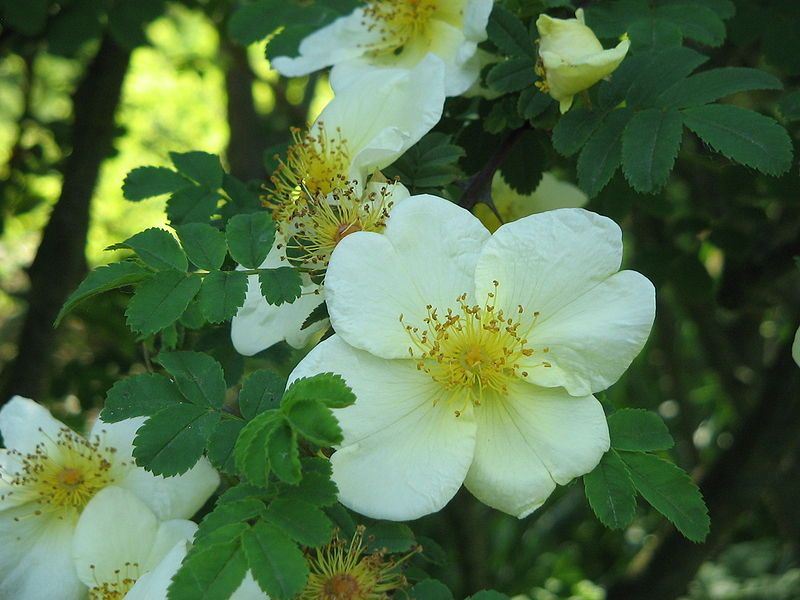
column 201, row 167
column 431, row 164
column 127, row 20
column 518, row 170
column 610, row 492
column 638, row 430
column 261, row 391
column 222, row 294
column 221, row 445
column 198, row 377
column 511, row 75
column 314, row 421
column 204, row 245
column 509, row 34
column 252, row 450
column 280, row 286
column 488, row 595
column 328, row 388
column 650, row 144
column 276, row 562
column 212, row 573
column 284, row 455
column 250, row 238
column 160, row 301
column 157, row 249
column 301, row 521
column 147, row 182
column 389, row 537
column 601, row 156
column 139, row 396
column 430, row 589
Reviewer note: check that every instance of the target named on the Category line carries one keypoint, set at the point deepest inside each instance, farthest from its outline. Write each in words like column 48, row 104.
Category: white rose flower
column 49, row 473
column 396, row 33
column 474, row 357
column 572, row 58
column 330, row 186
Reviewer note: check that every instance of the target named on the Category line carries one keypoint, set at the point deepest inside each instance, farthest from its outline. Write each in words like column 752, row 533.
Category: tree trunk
column 60, row 261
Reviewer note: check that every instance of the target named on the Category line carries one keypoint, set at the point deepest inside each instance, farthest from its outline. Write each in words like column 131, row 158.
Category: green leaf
column 574, row 129
column 650, row 145
column 610, row 492
column 280, row 286
column 651, row 34
column 328, row 388
column 212, row 572
column 27, row 17
column 221, row 445
column 638, row 430
column 253, row 22
column 284, row 455
column 172, row 440
column 127, row 21
column 315, row 422
column 103, row 279
column 509, row 34
column 430, row 589
column 388, row 536
column 139, row 396
column 671, row 492
column 251, row 451
column 147, row 182
column 511, row 75
column 228, row 513
column 789, row 106
column 262, row 390
column 708, row 86
column 222, row 294
column 742, row 135
column 276, row 562
column 204, row 245
column 243, row 199
column 532, row 103
column 320, row 313
column 157, row 248
column 601, row 155
column 250, row 238
column 202, row 167
column 191, row 205
column 198, row 376
column 488, row 595
column 316, row 486
column 520, row 169
column 160, row 301
column 430, row 163
column 696, row 22
column 301, row 521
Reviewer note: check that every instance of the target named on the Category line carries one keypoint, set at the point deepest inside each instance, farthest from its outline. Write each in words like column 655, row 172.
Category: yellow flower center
column 398, row 21
column 62, row 475
column 473, row 351
column 124, row 579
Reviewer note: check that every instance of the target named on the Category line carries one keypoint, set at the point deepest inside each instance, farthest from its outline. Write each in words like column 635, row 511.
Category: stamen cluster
column 116, row 590
column 397, row 21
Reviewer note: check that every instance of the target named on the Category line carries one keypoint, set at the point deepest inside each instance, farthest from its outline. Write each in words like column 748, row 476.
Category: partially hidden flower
column 329, row 185
column 474, row 357
column 49, row 474
column 796, row 348
column 550, row 194
column 396, row 33
column 572, row 58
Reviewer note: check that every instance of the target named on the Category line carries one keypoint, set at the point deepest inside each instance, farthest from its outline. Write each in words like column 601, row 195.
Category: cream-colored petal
column 249, row 589
column 476, row 17
column 426, row 255
column 169, row 534
column 796, row 348
column 25, row 423
column 402, row 456
column 118, row 436
column 593, row 339
column 155, row 584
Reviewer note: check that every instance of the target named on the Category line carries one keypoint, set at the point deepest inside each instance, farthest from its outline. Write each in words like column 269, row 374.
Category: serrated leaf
column 160, row 301
column 277, row 564
column 708, row 86
column 243, row 198
column 650, row 144
column 532, row 103
column 328, row 388
column 389, row 537
column 511, row 75
column 252, row 23
column 228, row 513
column 315, row 422
column 193, row 204
column 650, row 33
column 320, row 313
column 430, row 589
column 610, row 492
column 519, row 170
column 284, row 455
column 221, row 445
column 172, row 440
column 301, row 521
column 198, row 376
column 251, row 450
column 213, row 572
column 157, row 249
column 315, row 486
column 139, row 396
column 280, row 286
column 250, row 238
column 147, row 182
column 262, row 390
column 509, row 34
column 671, row 492
column 638, row 430
column 202, row 167
column 696, row 22
column 103, row 279
column 574, row 129
column 222, row 294
column 742, row 135
column 602, row 154
column 204, row 245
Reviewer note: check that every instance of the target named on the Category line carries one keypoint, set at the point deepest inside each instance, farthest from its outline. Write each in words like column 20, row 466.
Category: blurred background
column 90, row 89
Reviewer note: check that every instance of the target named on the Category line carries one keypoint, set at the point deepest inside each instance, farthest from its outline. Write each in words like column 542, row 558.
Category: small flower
column 329, row 186
column 474, row 357
column 49, row 474
column 550, row 194
column 396, row 33
column 572, row 58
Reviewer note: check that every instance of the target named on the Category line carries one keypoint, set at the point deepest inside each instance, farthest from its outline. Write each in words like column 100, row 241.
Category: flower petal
column 25, row 423
column 426, row 255
column 249, row 589
column 118, row 436
column 154, row 585
column 796, row 348
column 169, row 534
column 476, row 17
column 402, row 456
column 530, row 440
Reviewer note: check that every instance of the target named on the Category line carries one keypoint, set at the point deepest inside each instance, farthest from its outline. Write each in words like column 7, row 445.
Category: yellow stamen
column 398, row 22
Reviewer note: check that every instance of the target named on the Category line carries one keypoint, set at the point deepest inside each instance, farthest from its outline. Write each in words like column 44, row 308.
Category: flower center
column 63, row 474
column 473, row 350
column 398, row 21
column 124, row 580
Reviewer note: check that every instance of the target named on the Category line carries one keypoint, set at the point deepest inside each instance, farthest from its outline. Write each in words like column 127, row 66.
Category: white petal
column 154, row 585
column 426, row 255
column 476, row 17
column 25, row 423
column 118, row 436
column 100, row 556
column 173, row 497
column 169, row 534
column 258, row 325
column 249, row 590
column 344, row 39
column 594, row 338
column 402, row 456
column 36, row 559
column 796, row 347
column 530, row 440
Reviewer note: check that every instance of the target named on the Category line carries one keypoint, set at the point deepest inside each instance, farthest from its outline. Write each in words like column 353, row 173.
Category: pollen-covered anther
column 397, row 22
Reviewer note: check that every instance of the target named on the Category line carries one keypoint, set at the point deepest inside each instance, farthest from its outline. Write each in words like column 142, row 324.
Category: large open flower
column 49, row 473
column 329, row 186
column 474, row 357
column 396, row 33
